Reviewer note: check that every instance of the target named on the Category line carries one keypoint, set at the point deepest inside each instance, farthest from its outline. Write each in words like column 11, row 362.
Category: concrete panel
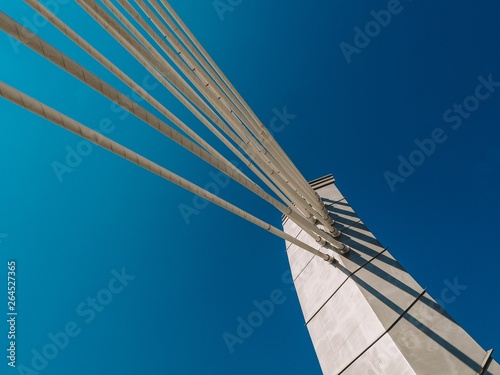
column 327, row 356
column 345, row 324
column 433, row 343
column 383, row 357
column 387, row 287
column 291, row 228
column 316, row 284
column 300, row 258
column 365, row 334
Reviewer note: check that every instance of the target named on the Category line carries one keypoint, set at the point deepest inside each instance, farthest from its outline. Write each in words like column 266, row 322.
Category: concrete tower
column 366, row 315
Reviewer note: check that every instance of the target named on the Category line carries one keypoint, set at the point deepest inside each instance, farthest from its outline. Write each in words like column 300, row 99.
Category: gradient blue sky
column 193, row 281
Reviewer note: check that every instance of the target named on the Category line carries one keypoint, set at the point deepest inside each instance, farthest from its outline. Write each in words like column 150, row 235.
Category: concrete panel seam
column 350, row 226
column 298, row 234
column 341, row 285
column 331, row 203
column 386, row 331
column 300, row 273
column 369, row 261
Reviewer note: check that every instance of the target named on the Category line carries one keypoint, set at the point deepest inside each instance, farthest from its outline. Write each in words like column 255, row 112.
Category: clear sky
column 171, row 286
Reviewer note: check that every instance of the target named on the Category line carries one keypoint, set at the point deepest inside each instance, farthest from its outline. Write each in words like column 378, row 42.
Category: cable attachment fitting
column 331, row 259
column 344, row 249
column 321, row 241
column 335, row 233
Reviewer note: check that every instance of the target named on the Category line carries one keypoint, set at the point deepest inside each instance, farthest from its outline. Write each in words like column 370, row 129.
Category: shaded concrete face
column 366, row 314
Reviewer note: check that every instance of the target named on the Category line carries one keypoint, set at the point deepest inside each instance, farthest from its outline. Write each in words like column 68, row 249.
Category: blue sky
column 188, row 283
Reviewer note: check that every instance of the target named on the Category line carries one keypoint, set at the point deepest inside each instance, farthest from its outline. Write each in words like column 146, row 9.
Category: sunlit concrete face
column 366, row 315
